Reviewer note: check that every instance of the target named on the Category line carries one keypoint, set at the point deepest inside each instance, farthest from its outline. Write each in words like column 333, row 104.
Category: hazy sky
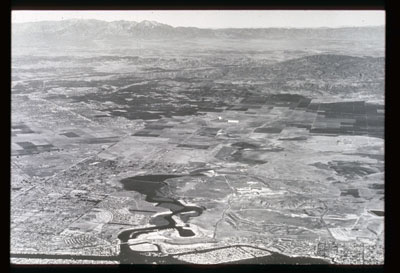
column 219, row 18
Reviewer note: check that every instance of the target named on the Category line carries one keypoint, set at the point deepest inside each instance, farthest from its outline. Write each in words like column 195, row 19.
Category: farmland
column 184, row 152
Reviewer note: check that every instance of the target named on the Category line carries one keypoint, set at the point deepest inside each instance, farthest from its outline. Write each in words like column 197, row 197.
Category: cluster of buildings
column 352, row 252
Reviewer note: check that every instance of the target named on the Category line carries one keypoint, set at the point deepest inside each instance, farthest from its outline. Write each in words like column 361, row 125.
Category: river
column 149, row 185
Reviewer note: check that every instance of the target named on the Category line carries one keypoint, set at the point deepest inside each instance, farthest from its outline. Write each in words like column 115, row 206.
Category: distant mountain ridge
column 85, row 29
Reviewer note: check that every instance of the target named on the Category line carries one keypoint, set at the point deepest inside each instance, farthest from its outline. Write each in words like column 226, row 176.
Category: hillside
column 330, row 67
column 343, row 75
column 336, row 74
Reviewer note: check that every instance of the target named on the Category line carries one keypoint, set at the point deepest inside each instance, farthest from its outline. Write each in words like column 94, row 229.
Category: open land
column 199, row 152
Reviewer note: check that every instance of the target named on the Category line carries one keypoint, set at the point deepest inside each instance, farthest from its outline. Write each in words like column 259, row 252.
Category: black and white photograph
column 197, row 137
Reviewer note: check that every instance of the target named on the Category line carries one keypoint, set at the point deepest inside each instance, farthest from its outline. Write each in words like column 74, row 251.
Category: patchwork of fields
column 233, row 157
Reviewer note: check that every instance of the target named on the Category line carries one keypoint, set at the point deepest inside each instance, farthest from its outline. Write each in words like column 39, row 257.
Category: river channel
column 150, row 185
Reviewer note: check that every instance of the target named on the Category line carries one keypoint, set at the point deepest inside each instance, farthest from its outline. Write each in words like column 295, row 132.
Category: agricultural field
column 202, row 151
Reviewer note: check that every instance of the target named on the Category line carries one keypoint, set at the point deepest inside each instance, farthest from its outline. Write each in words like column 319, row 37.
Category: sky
column 218, row 18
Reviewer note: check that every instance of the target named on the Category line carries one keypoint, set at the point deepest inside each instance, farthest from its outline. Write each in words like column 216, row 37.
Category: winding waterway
column 149, row 185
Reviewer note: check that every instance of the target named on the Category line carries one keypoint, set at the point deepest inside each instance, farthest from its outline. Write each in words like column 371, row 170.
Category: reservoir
column 150, row 185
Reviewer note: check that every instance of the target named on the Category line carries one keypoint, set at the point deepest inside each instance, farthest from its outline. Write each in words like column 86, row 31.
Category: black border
column 204, row 4
column 392, row 46
column 391, row 86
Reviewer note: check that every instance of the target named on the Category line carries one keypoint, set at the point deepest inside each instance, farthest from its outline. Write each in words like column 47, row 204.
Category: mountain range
column 74, row 30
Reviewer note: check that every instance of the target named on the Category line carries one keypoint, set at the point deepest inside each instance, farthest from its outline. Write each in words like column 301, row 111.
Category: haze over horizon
column 219, row 19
